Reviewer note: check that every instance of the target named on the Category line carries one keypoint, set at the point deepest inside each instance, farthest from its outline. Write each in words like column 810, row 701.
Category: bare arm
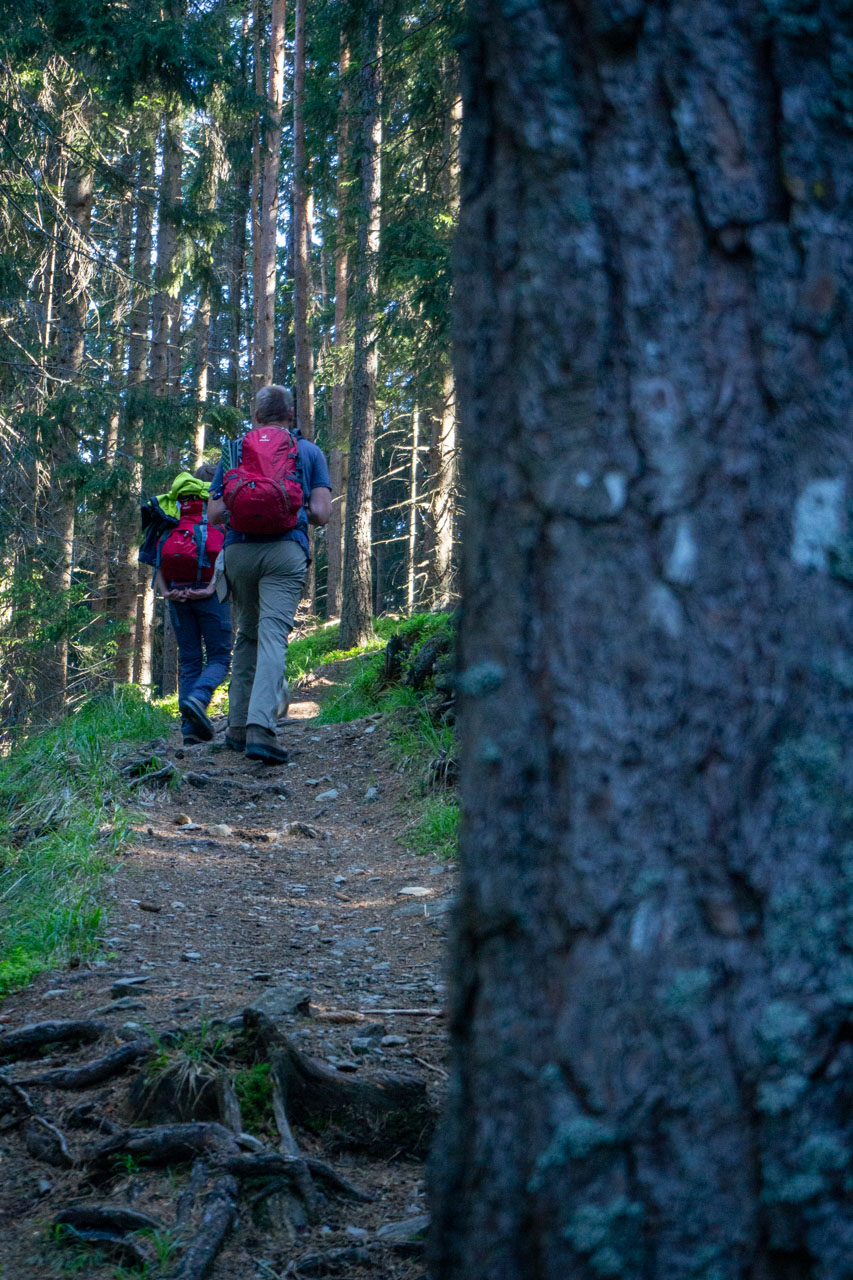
column 165, row 592
column 319, row 506
column 216, row 511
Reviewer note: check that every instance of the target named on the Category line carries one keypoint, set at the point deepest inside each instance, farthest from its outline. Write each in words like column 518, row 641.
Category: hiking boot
column 234, row 744
column 190, row 740
column 194, row 711
column 261, row 745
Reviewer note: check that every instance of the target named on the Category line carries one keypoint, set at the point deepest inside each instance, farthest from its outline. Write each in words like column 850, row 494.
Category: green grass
column 435, row 831
column 62, row 827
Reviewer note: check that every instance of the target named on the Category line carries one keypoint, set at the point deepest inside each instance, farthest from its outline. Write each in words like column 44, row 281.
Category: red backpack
column 188, row 554
column 263, row 491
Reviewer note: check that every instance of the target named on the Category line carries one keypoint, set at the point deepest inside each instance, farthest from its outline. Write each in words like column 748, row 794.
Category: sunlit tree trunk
column 60, row 500
column 127, row 518
column 412, row 543
column 304, row 369
column 339, row 441
column 265, row 274
column 356, row 621
column 650, row 1011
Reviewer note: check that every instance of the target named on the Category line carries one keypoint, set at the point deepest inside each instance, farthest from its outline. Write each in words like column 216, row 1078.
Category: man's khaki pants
column 266, row 580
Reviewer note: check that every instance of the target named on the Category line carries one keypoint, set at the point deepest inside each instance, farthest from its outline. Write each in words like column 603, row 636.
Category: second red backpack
column 188, row 554
column 263, row 491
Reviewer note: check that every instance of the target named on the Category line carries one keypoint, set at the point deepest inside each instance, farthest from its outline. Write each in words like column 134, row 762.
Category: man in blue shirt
column 266, row 575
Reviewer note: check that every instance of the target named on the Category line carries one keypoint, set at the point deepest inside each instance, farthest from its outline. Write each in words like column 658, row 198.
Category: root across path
column 245, row 1082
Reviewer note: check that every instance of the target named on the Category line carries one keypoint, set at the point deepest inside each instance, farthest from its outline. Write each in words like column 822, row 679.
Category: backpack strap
column 200, row 536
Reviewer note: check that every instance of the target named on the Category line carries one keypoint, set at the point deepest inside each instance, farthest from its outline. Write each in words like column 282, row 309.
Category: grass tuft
column 62, row 826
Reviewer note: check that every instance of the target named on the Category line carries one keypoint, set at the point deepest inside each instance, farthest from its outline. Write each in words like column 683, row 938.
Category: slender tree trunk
column 213, row 160
column 106, row 532
column 301, row 240
column 442, row 498
column 650, row 1054
column 412, row 544
column 257, row 175
column 441, row 508
column 264, row 331
column 356, row 621
column 60, row 502
column 127, row 532
column 334, row 529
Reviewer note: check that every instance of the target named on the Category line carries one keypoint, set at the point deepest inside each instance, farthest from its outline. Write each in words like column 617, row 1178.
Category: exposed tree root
column 218, row 1219
column 104, row 1217
column 27, row 1042
column 166, row 1144
column 46, row 1143
column 389, row 1114
column 95, row 1072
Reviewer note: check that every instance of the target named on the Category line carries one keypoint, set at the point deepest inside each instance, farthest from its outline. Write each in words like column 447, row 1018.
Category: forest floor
column 330, row 927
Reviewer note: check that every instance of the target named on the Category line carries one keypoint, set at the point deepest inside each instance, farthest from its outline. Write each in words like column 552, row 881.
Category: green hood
column 184, row 485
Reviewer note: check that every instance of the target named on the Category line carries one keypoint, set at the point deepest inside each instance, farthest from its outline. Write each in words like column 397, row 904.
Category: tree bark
column 412, row 543
column 650, row 1053
column 441, row 508
column 337, row 467
column 60, row 502
column 264, row 327
column 356, row 622
column 304, row 371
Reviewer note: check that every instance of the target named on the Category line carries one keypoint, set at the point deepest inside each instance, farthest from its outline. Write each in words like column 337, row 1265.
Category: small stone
column 415, row 891
column 191, row 826
column 221, row 829
column 46, row 1187
column 191, row 956
column 56, row 991
column 282, row 1000
column 300, row 829
column 340, row 879
column 371, row 728
column 126, row 986
column 371, row 795
column 343, row 1064
column 360, row 1045
column 153, row 907
column 125, row 1002
column 376, row 928
column 261, row 977
column 182, row 820
column 357, row 1233
column 409, row 1229
column 392, row 1042
column 331, row 794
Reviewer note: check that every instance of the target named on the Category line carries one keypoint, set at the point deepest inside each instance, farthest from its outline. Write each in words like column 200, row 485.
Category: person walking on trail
column 186, row 578
column 270, row 486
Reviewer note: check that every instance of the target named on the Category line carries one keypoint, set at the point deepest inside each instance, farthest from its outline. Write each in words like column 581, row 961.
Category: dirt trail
column 252, row 886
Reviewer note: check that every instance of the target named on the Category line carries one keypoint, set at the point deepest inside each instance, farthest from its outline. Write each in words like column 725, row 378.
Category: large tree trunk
column 264, row 329
column 127, row 519
column 337, row 467
column 356, row 620
column 650, row 1011
column 60, row 502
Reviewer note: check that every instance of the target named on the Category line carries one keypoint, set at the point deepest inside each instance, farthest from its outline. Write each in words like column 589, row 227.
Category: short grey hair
column 273, row 404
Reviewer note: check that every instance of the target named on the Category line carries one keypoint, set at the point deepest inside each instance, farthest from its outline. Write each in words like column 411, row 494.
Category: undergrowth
column 419, row 741
column 62, row 826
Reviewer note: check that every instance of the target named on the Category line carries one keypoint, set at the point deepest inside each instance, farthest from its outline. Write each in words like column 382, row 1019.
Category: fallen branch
column 125, row 1249
column 160, row 775
column 218, row 1219
column 26, row 1042
column 112, row 1064
column 362, row 1015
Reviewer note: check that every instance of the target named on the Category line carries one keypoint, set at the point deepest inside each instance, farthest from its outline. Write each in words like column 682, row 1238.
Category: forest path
column 263, row 887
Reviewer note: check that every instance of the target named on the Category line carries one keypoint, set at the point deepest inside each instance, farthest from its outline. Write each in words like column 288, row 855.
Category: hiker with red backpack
column 270, row 485
column 185, row 559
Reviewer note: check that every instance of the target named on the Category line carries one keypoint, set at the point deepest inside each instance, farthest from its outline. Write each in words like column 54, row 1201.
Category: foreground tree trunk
column 650, row 1014
column 356, row 618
